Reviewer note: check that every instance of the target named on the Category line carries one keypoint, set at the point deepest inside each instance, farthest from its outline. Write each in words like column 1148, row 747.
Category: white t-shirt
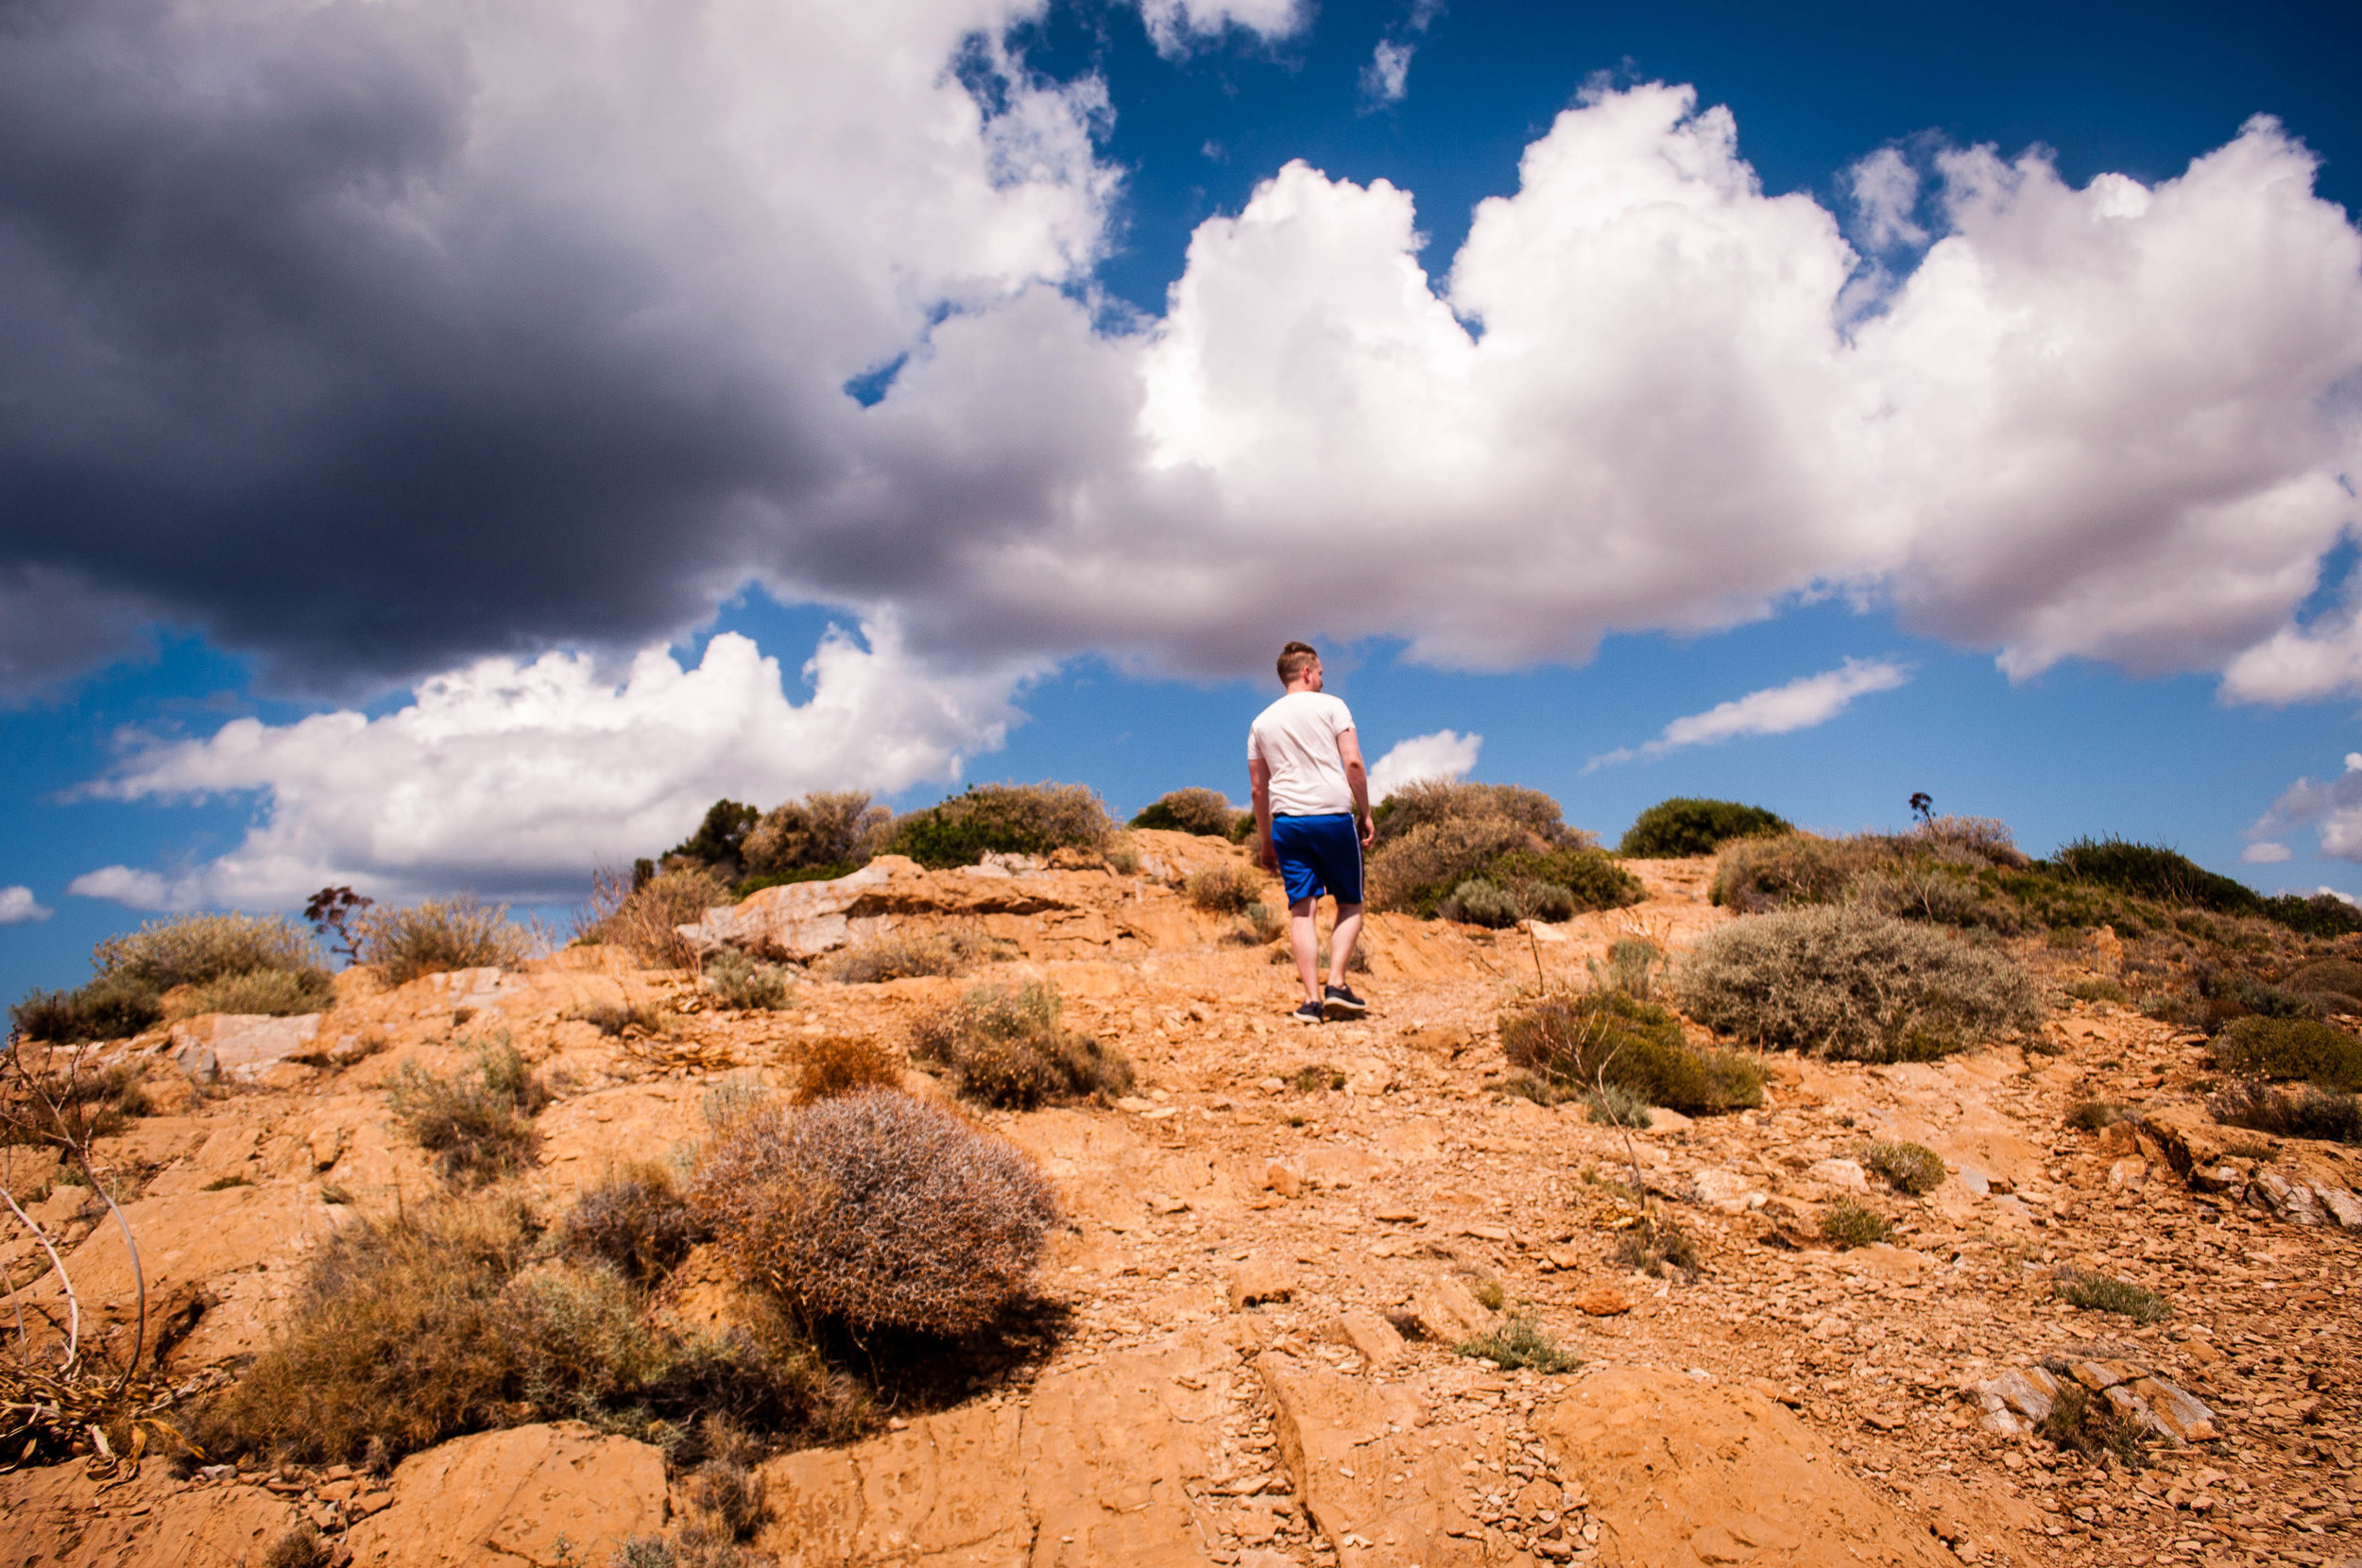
column 1296, row 737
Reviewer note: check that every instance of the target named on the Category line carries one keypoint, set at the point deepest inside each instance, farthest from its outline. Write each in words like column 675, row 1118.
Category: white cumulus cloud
column 1387, row 77
column 18, row 907
column 1801, row 704
column 513, row 777
column 1445, row 755
column 1181, row 25
column 2333, row 807
column 2265, row 852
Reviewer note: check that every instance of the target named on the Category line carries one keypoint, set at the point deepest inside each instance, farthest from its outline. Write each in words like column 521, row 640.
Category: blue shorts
column 1319, row 855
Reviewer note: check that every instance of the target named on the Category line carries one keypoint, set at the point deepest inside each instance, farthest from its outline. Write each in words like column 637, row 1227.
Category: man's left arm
column 1358, row 780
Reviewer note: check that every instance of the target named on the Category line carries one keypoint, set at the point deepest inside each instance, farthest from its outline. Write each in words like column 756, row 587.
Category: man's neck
column 1297, row 685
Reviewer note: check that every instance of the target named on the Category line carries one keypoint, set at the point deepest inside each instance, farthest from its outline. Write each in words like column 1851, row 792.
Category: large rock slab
column 543, row 1495
column 53, row 1515
column 241, row 1046
column 1684, row 1472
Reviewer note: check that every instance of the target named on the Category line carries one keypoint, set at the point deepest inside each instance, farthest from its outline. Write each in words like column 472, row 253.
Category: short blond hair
column 1295, row 658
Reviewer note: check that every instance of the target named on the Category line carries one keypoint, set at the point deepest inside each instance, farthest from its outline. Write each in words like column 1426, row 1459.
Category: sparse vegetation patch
column 1225, row 889
column 905, row 955
column 2302, row 1113
column 437, row 935
column 1910, row 1168
column 1010, row 1048
column 837, row 1064
column 2106, row 1293
column 741, row 980
column 1517, row 1343
column 2323, row 1056
column 477, row 1122
column 1846, row 1225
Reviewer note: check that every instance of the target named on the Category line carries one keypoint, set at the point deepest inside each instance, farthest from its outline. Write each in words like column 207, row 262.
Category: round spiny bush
column 1686, row 825
column 1414, row 870
column 577, row 1327
column 738, row 980
column 636, row 1220
column 1205, row 813
column 1855, row 984
column 1911, row 1167
column 879, row 1211
column 2324, row 1057
column 1846, row 1226
column 1225, row 889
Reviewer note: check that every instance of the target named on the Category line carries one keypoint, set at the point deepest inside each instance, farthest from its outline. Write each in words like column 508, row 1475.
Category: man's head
column 1300, row 666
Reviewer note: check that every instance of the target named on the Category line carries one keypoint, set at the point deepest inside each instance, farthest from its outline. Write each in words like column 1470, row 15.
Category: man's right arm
column 1258, row 786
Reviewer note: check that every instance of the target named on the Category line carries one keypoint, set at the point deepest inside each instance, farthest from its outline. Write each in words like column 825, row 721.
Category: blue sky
column 282, row 467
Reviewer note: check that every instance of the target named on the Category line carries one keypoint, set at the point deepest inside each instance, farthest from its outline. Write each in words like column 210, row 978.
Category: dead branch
column 73, row 1302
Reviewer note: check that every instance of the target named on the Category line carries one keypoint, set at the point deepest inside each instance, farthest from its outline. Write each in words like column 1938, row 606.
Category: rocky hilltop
column 1317, row 1295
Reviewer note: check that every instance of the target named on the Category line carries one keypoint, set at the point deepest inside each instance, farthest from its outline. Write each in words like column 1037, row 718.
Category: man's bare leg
column 1340, row 941
column 1307, row 943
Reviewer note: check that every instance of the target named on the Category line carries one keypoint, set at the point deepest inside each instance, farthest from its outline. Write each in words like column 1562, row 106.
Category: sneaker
column 1309, row 1014
column 1342, row 1003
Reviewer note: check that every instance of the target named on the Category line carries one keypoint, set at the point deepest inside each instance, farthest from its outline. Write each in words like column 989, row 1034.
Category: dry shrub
column 2334, row 981
column 1436, row 800
column 612, row 1018
column 838, row 1065
column 1225, row 889
column 108, row 1008
column 1414, row 870
column 437, row 935
column 2106, row 1293
column 1477, row 902
column 645, row 920
column 280, row 993
column 1009, row 1049
column 825, row 830
column 1517, row 1343
column 302, row 1546
column 430, row 1324
column 398, row 1334
column 1205, row 813
column 1911, row 1167
column 1757, row 874
column 69, row 1105
column 637, row 1220
column 478, row 1122
column 1261, row 924
column 905, row 955
column 879, row 1211
column 1855, row 984
column 2325, row 1057
column 1656, row 1244
column 1578, row 1039
column 2086, row 1423
column 739, row 980
column 1846, row 1225
column 2305, row 1113
column 1009, row 819
column 192, row 950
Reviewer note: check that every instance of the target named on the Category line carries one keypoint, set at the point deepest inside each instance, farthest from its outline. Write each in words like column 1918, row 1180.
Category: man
column 1312, row 817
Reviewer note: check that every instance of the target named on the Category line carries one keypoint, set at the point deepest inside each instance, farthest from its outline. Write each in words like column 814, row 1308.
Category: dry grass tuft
column 478, row 1122
column 1656, row 1244
column 302, row 1546
column 905, row 955
column 638, row 1220
column 280, row 993
column 645, row 919
column 2106, row 1293
column 1517, row 1343
column 437, row 935
column 1225, row 889
column 879, row 1211
column 1855, row 984
column 838, row 1065
column 1009, row 1049
column 2084, row 1425
column 1578, row 1039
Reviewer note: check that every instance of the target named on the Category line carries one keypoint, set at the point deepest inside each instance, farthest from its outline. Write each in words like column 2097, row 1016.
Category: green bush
column 2334, row 982
column 1855, row 984
column 2150, row 871
column 1580, row 1038
column 1616, row 1106
column 1846, row 1225
column 2305, row 1113
column 1009, row 819
column 2324, row 1057
column 1206, row 812
column 719, row 842
column 1436, row 800
column 478, row 1122
column 1477, row 902
column 879, row 1211
column 108, row 1008
column 830, row 832
column 2321, row 915
column 1009, row 1049
column 438, row 935
column 1911, row 1167
column 1686, row 825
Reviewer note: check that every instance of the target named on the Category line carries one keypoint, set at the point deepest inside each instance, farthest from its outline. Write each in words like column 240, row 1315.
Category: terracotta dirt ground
column 1266, row 1280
